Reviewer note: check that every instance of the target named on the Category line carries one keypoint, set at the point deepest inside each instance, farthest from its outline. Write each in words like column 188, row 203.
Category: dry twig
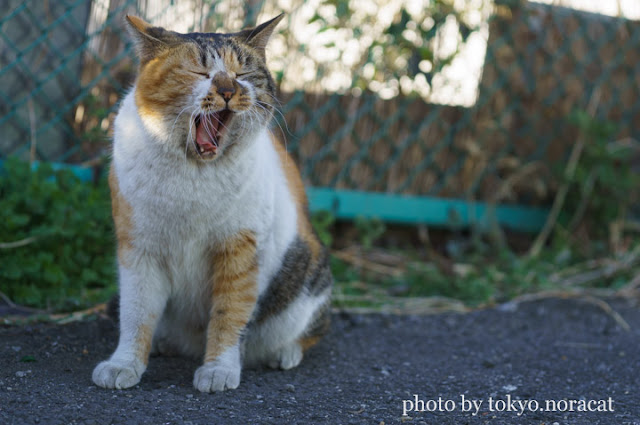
column 630, row 288
column 507, row 185
column 584, row 201
column 594, row 269
column 93, row 162
column 15, row 306
column 18, row 244
column 569, row 172
column 404, row 305
column 359, row 261
column 582, row 295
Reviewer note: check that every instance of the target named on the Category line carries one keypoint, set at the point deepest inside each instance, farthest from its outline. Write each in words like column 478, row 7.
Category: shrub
column 57, row 238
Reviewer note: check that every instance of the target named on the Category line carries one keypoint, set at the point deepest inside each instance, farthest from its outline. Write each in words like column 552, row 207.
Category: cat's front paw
column 118, row 375
column 287, row 357
column 214, row 376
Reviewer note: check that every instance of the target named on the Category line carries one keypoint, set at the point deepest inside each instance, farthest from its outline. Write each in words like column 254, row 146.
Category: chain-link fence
column 495, row 134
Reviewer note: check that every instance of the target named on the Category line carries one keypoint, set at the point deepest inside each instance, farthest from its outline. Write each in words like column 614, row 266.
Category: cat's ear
column 149, row 40
column 258, row 37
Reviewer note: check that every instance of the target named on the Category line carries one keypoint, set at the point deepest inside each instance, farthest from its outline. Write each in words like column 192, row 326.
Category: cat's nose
column 224, row 85
column 226, row 92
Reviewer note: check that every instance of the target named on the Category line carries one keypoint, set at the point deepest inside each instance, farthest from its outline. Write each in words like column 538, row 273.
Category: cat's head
column 200, row 93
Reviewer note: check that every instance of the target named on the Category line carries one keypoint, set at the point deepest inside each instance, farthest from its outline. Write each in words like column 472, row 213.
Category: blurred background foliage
column 408, row 47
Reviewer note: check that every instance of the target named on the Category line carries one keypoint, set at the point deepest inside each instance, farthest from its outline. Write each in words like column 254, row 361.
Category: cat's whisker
column 277, row 103
column 176, row 120
column 179, row 114
column 277, row 106
column 190, row 136
column 252, row 116
column 222, row 123
column 185, row 109
column 269, row 109
column 268, row 114
column 255, row 114
column 273, row 118
column 207, row 118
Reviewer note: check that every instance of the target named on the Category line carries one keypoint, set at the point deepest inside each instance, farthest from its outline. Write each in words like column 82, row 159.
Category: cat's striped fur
column 216, row 254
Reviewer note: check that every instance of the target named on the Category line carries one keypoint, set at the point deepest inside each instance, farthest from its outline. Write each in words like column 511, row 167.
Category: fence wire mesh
column 495, row 133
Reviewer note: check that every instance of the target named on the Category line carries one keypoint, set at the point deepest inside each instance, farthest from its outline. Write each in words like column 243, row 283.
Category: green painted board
column 349, row 204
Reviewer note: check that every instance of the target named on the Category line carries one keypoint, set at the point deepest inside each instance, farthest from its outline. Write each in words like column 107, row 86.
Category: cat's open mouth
column 209, row 131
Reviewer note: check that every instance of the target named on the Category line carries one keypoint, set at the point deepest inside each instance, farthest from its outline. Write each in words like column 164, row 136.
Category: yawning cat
column 216, row 254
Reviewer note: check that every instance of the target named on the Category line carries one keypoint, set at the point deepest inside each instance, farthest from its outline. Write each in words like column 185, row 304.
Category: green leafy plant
column 57, row 238
column 322, row 222
column 96, row 112
column 369, row 230
column 604, row 184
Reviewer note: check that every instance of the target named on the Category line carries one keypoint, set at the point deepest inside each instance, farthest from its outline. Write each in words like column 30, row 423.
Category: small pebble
column 290, row 387
column 508, row 307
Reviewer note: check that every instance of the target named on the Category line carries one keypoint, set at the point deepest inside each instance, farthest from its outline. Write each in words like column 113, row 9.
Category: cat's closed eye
column 204, row 74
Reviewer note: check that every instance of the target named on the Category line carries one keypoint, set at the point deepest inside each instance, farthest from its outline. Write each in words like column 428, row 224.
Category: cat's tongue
column 207, row 133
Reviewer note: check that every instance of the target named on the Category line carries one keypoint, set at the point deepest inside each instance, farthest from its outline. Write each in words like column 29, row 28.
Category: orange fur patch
column 143, row 342
column 296, row 187
column 308, row 342
column 163, row 79
column 122, row 218
column 234, row 294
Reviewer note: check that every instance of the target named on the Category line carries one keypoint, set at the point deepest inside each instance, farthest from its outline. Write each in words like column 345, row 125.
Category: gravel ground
column 508, row 360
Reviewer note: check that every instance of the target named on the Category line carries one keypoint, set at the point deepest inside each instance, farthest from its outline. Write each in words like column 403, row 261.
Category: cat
column 217, row 257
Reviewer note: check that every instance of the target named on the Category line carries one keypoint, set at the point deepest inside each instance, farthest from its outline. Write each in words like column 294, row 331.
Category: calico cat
column 216, row 254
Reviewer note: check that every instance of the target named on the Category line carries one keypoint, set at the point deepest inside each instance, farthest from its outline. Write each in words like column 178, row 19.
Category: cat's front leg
column 142, row 300
column 234, row 295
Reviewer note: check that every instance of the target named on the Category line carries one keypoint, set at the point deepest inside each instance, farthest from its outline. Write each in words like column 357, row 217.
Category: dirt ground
column 542, row 362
